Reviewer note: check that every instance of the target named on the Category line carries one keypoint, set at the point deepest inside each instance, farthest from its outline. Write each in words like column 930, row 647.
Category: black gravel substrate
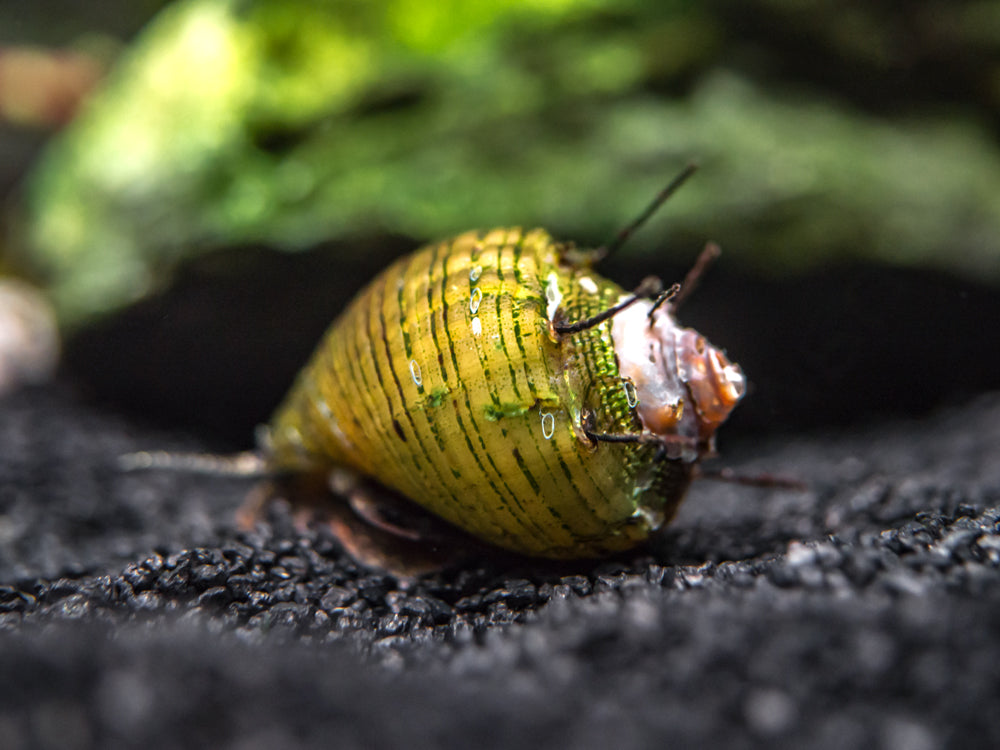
column 864, row 612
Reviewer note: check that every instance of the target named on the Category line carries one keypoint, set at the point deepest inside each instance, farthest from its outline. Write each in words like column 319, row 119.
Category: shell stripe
column 404, row 312
column 364, row 339
column 500, row 383
column 502, row 295
column 503, row 339
column 530, row 277
column 432, row 425
column 346, row 384
column 583, row 470
column 521, row 517
column 427, row 310
column 533, row 481
column 348, row 371
column 428, row 466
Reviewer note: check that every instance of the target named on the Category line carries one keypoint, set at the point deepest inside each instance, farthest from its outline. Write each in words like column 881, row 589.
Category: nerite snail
column 496, row 380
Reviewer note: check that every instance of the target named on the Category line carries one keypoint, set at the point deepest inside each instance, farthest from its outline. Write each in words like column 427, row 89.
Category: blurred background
column 192, row 190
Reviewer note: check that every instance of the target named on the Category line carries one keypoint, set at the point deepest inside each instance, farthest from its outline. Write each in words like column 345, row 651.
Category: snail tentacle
column 651, row 286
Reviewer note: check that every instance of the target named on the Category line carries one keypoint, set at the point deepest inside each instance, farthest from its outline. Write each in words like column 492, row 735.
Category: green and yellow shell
column 448, row 380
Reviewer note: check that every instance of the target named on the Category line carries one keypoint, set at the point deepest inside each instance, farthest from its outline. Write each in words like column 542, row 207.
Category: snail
column 501, row 384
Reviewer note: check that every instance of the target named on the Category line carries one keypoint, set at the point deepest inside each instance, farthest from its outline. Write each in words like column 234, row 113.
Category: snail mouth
column 685, row 386
column 647, row 359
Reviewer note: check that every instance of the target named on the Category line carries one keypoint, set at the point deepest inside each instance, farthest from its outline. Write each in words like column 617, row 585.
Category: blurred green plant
column 292, row 122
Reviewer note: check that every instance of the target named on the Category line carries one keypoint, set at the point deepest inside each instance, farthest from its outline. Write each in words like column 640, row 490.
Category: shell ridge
column 519, row 519
column 439, row 258
column 365, row 337
column 535, row 480
column 424, row 469
column 534, row 267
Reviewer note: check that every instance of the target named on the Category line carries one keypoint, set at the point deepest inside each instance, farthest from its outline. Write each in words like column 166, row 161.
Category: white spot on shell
column 475, row 299
column 552, row 295
column 548, row 425
column 588, row 285
column 477, row 327
column 339, row 433
column 631, row 396
column 475, row 273
column 324, row 408
column 415, row 373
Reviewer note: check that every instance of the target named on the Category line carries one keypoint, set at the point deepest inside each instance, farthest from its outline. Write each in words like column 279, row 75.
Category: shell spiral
column 445, row 381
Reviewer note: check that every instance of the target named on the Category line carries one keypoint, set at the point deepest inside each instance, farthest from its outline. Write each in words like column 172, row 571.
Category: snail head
column 686, row 387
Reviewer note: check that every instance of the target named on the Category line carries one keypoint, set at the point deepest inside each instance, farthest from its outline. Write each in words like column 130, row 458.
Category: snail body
column 454, row 380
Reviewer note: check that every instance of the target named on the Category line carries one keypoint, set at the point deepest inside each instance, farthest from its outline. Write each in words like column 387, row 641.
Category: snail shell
column 447, row 380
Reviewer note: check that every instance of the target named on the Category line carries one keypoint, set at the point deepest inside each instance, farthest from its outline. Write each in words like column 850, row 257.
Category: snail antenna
column 708, row 256
column 626, row 232
column 651, row 286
